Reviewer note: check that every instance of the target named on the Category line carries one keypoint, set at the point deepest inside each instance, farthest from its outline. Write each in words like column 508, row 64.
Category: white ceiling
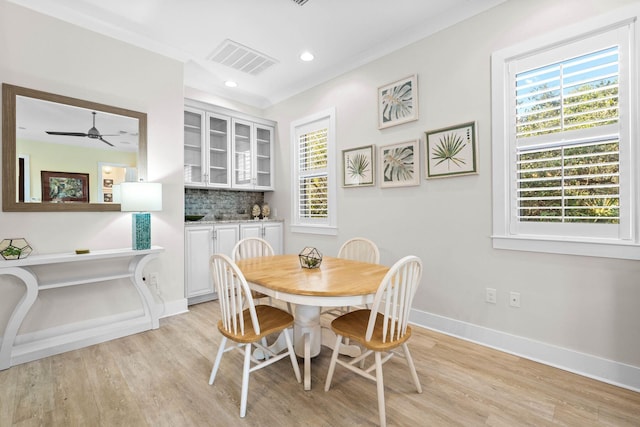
column 342, row 34
column 34, row 117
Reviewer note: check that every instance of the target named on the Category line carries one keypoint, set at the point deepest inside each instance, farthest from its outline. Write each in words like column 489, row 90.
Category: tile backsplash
column 221, row 204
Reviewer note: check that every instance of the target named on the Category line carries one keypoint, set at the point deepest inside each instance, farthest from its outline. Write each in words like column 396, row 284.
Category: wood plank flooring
column 160, row 378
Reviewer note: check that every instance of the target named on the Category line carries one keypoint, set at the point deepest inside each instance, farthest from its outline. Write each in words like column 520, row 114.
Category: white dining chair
column 360, row 249
column 356, row 249
column 246, row 326
column 252, row 247
column 381, row 330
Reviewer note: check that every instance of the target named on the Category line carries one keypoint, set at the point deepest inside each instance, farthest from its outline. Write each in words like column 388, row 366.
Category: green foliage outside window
column 577, row 182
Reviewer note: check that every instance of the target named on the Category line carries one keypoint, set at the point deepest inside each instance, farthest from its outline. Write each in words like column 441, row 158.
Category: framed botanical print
column 398, row 102
column 358, row 166
column 451, row 151
column 64, row 186
column 399, row 164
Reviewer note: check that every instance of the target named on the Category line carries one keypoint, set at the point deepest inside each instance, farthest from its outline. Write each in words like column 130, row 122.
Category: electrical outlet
column 514, row 299
column 153, row 279
column 490, row 295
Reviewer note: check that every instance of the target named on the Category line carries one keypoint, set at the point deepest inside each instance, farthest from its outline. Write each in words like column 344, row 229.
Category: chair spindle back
column 394, row 298
column 252, row 247
column 234, row 294
column 360, row 249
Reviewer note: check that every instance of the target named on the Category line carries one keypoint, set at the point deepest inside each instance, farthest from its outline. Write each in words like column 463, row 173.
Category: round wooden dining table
column 337, row 282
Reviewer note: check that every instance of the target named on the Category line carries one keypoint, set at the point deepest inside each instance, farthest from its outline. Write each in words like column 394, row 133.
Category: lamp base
column 141, row 230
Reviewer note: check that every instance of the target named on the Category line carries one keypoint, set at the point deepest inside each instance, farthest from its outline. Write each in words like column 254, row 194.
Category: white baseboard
column 587, row 365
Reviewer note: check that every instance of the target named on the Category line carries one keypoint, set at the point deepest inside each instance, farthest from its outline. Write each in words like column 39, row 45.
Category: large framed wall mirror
column 67, row 154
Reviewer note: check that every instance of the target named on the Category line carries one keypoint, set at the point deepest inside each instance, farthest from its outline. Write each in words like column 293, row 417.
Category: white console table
column 11, row 354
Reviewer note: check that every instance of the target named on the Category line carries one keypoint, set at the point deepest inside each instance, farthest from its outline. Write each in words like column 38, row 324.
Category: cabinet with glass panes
column 227, row 149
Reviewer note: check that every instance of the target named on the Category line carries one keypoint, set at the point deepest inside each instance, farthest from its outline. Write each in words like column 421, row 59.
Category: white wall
column 578, row 304
column 49, row 55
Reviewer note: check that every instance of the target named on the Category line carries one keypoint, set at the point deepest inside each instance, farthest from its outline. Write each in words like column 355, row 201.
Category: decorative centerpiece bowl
column 310, row 258
column 16, row 248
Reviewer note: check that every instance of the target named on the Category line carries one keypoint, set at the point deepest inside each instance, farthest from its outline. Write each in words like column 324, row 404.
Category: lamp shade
column 140, row 196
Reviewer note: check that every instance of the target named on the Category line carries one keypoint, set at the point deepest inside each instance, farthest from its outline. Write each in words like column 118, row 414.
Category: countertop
column 230, row 221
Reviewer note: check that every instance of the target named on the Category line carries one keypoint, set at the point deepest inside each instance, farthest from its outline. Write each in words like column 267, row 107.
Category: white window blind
column 569, row 180
column 564, row 141
column 312, row 179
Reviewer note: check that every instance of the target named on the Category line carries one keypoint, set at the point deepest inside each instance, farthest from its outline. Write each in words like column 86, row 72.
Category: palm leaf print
column 447, row 149
column 397, row 102
column 398, row 164
column 357, row 166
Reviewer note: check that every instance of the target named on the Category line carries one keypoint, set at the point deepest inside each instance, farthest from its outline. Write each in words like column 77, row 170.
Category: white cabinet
column 252, row 155
column 227, row 149
column 194, row 147
column 206, row 149
column 201, row 241
column 225, row 237
column 198, row 248
column 272, row 232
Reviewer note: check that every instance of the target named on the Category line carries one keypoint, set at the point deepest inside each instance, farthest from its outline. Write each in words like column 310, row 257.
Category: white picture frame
column 399, row 164
column 358, row 166
column 398, row 102
column 451, row 151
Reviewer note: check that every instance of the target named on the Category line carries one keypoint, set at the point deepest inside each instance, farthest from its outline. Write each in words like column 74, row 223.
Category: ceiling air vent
column 300, row 2
column 241, row 58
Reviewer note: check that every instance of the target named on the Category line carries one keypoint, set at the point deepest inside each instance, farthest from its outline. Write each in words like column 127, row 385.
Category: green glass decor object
column 16, row 248
column 310, row 258
column 141, row 230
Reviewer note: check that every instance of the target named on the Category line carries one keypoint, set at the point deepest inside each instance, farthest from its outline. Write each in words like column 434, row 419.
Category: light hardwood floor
column 160, row 378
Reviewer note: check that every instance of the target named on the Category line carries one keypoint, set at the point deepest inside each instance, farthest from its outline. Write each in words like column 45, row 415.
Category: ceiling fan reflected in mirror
column 92, row 133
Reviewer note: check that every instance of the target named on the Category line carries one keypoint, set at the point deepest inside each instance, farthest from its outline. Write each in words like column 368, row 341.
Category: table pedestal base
column 308, row 336
column 307, row 322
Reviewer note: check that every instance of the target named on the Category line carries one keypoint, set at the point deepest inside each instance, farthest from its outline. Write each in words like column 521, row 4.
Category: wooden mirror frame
column 9, row 160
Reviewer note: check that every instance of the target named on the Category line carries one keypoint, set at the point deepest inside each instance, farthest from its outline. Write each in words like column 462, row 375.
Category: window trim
column 298, row 226
column 502, row 237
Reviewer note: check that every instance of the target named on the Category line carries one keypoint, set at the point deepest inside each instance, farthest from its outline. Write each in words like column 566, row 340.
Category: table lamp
column 141, row 198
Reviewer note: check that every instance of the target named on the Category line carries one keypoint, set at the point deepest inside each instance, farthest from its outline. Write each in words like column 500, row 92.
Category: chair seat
column 271, row 319
column 353, row 325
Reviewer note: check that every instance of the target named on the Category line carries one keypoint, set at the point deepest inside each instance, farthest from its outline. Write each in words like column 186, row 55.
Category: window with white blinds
column 576, row 179
column 314, row 174
column 312, row 179
column 564, row 160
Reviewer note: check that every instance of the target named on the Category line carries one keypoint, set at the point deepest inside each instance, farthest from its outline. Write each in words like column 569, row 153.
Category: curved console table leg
column 136, row 267
column 19, row 312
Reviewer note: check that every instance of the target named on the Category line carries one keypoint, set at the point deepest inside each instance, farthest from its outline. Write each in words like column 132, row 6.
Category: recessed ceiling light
column 230, row 83
column 306, row 56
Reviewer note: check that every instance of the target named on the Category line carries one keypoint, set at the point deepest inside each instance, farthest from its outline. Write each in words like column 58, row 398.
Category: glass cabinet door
column 242, row 154
column 218, row 172
column 193, row 147
column 264, row 161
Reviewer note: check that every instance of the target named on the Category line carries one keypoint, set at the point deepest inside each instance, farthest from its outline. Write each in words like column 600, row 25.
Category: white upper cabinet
column 252, row 155
column 194, row 147
column 226, row 149
column 218, row 144
column 264, row 156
